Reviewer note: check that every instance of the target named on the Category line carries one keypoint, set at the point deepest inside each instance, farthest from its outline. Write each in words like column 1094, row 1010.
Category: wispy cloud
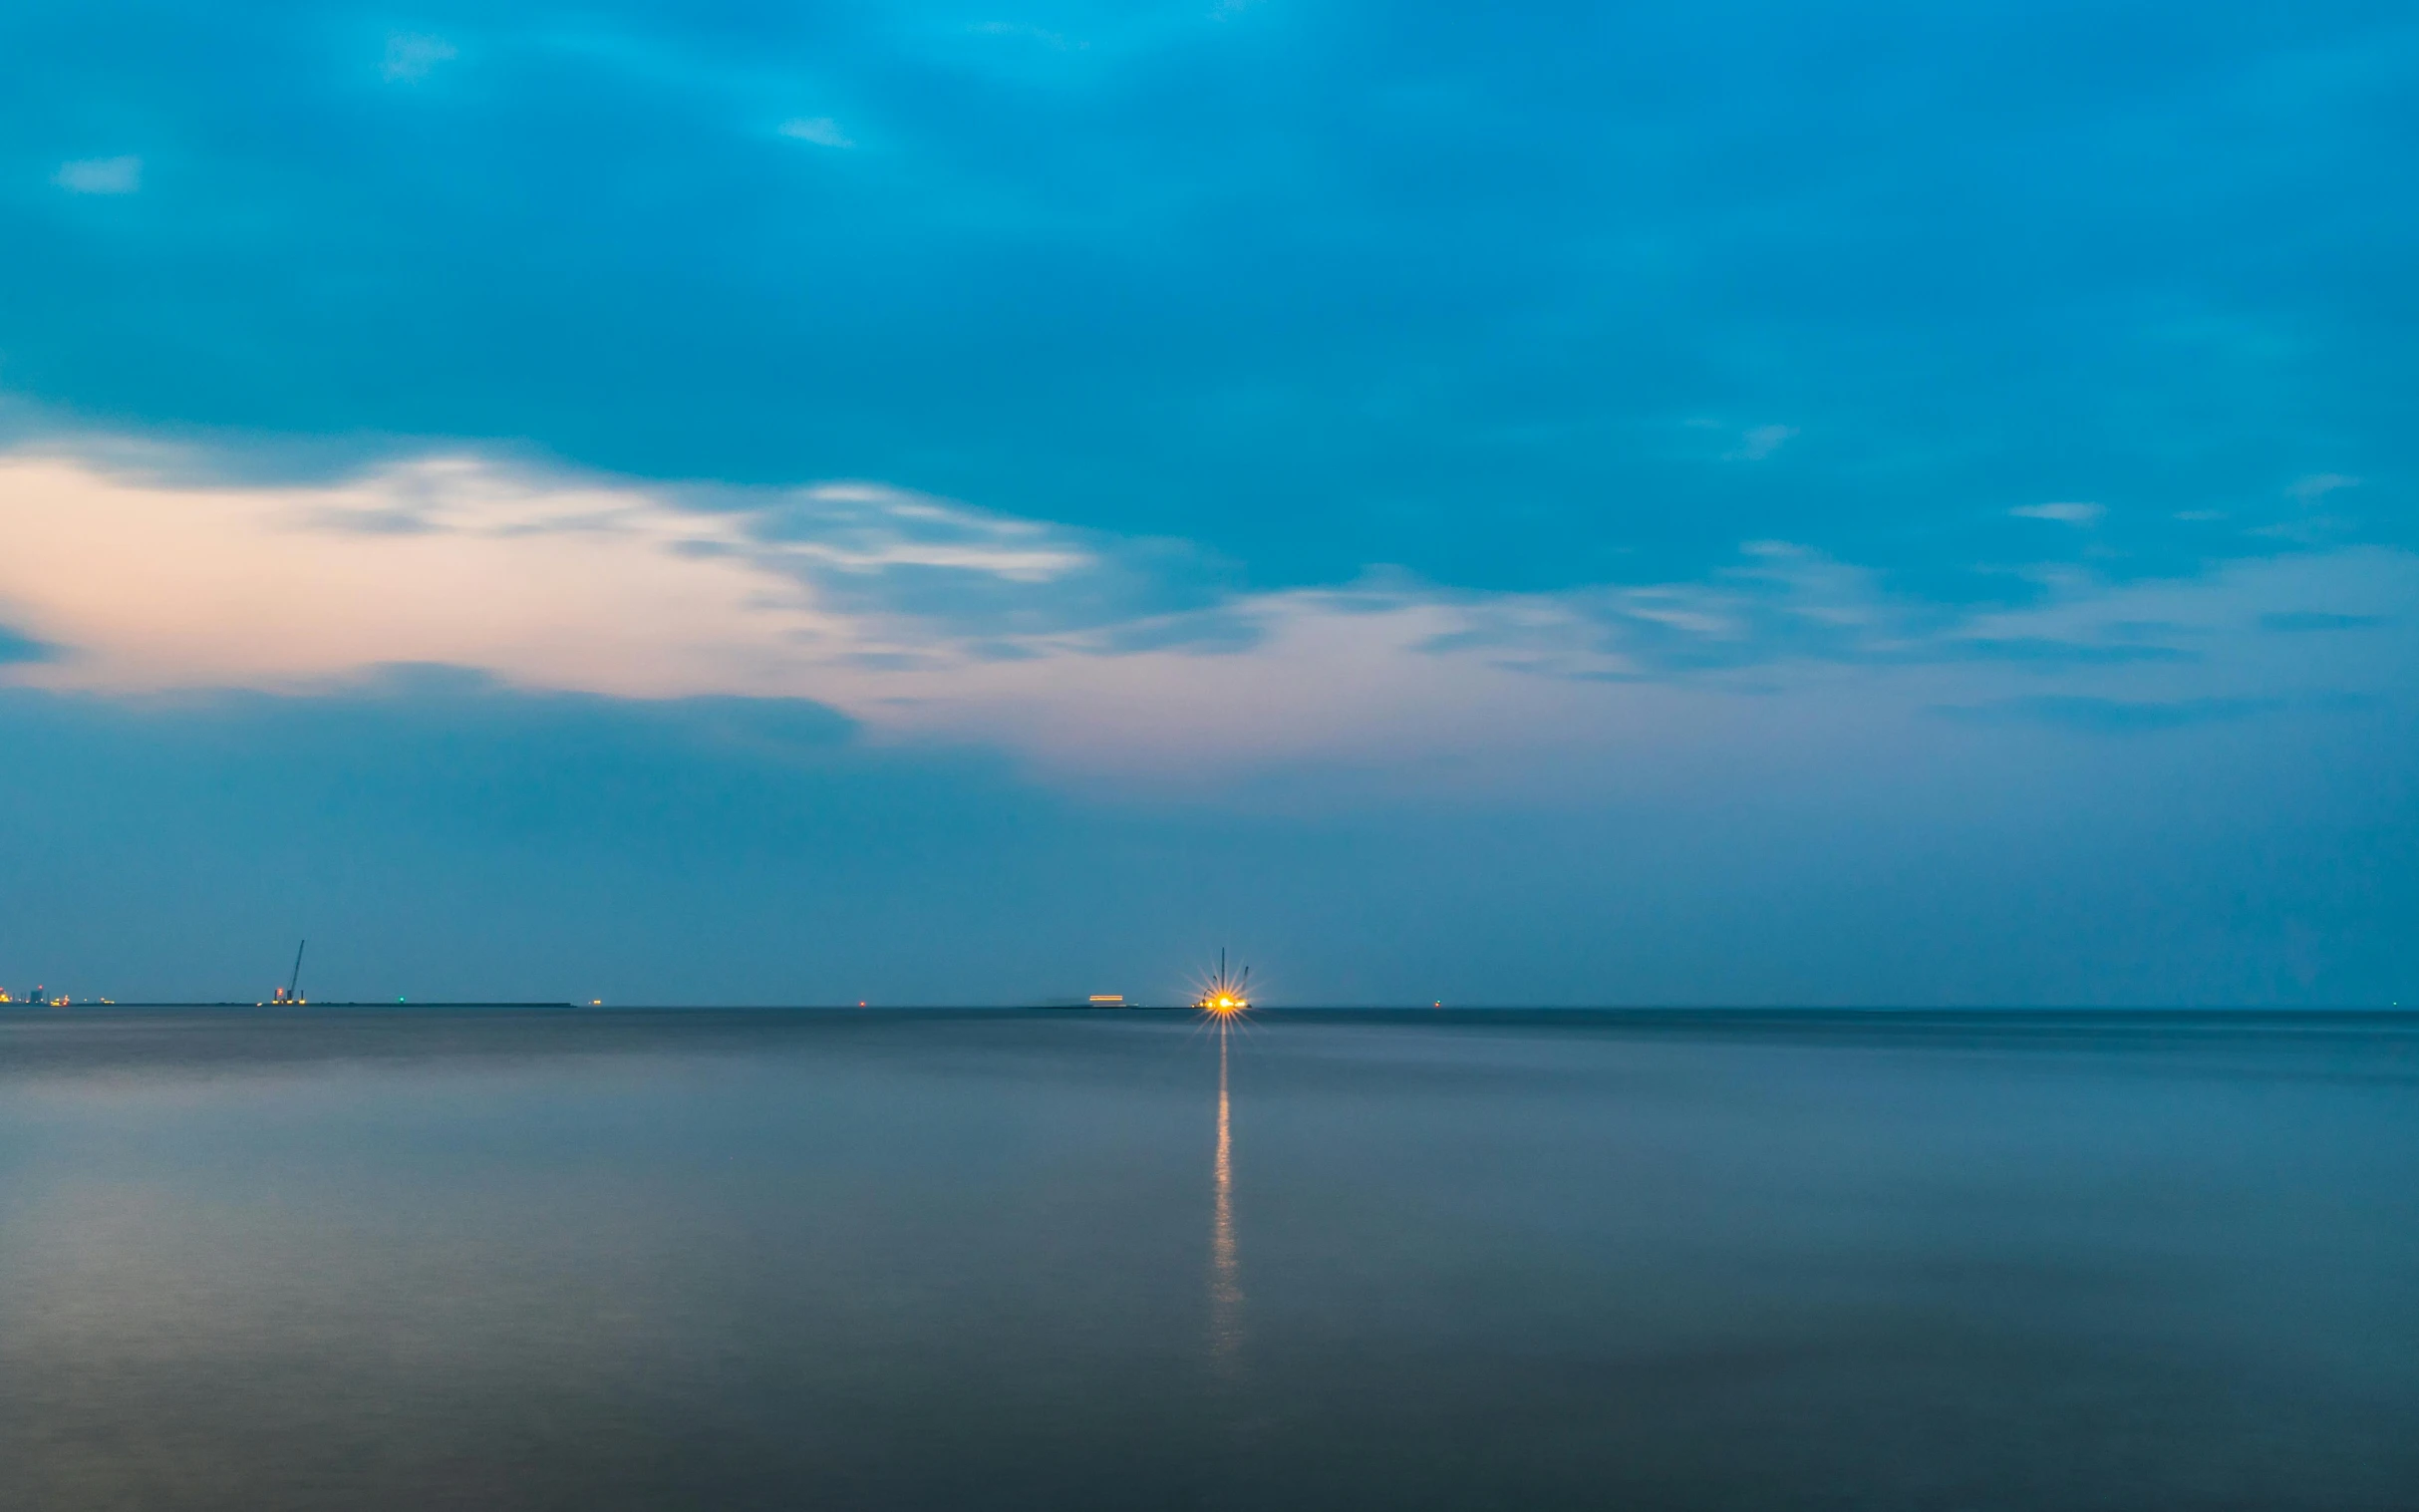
column 101, row 176
column 413, row 56
column 2297, row 621
column 2070, row 515
column 1761, row 443
column 923, row 616
column 2310, row 490
column 1027, row 30
column 823, row 130
column 2114, row 716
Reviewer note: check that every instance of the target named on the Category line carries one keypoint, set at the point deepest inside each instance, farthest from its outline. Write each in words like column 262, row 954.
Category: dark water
column 595, row 1261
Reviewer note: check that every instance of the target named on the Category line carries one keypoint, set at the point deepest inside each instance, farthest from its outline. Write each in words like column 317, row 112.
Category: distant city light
column 1224, row 994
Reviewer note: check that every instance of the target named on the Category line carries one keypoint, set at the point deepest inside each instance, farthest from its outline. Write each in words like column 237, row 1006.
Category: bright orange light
column 1222, row 994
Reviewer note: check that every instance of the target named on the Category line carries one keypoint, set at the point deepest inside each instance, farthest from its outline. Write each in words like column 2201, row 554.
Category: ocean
column 773, row 1259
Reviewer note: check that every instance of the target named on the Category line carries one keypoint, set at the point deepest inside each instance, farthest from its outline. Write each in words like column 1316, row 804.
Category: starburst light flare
column 1225, row 994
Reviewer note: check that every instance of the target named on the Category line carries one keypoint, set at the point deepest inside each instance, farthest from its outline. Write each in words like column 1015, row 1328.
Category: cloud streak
column 924, row 618
column 411, row 57
column 1761, row 442
column 823, row 130
column 2067, row 515
column 101, row 176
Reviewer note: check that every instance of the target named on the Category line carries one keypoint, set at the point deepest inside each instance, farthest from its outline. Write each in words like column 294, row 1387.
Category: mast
column 296, row 980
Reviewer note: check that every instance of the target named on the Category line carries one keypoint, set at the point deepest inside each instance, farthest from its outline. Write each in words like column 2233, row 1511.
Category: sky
column 1540, row 504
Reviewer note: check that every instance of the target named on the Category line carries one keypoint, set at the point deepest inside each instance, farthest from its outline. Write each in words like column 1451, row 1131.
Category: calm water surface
column 788, row 1260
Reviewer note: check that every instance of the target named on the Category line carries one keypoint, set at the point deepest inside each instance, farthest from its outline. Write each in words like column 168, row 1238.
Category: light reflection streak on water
column 1226, row 1282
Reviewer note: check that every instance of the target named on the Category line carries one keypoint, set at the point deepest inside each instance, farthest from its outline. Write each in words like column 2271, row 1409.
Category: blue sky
column 936, row 502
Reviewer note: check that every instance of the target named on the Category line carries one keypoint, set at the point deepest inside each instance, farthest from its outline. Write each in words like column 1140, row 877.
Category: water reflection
column 1226, row 1278
column 622, row 1262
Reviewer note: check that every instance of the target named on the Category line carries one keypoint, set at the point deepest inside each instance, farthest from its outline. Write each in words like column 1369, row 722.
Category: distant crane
column 290, row 993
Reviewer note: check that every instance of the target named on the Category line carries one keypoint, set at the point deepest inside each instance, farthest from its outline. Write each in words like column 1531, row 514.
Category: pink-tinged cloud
column 927, row 619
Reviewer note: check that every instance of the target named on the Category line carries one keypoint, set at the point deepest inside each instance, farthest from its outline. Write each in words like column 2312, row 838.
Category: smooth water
column 792, row 1260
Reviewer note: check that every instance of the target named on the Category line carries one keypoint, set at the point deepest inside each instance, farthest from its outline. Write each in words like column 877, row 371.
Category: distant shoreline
column 1631, row 1015
column 306, row 1002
